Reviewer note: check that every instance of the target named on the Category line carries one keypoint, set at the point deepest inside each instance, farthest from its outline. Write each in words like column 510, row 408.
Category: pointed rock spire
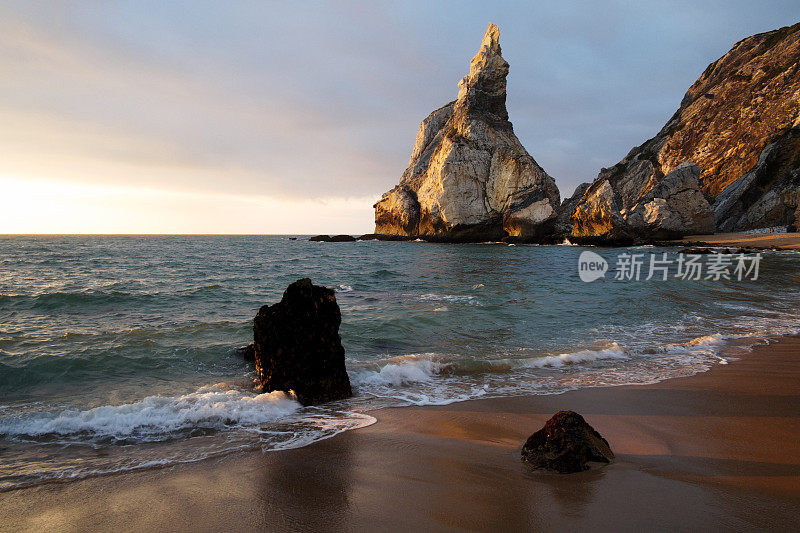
column 469, row 177
column 484, row 88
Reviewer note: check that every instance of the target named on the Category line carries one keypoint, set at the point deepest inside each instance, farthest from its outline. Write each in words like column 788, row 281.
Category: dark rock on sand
column 566, row 444
column 335, row 238
column 298, row 347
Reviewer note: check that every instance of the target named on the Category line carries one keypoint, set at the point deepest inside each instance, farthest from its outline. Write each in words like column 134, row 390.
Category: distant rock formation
column 297, row 345
column 737, row 123
column 335, row 238
column 469, row 178
column 566, row 444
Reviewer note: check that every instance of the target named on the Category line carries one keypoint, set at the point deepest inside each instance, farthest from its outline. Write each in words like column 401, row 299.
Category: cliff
column 736, row 124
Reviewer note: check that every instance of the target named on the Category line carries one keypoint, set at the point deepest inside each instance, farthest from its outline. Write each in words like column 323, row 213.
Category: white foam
column 399, row 371
column 472, row 300
column 155, row 417
column 344, row 288
column 583, row 356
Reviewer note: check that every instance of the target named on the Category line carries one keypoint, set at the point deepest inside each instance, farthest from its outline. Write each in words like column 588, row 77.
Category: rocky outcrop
column 297, row 345
column 563, row 224
column 335, row 238
column 673, row 207
column 469, row 177
column 743, row 104
column 769, row 194
column 566, row 444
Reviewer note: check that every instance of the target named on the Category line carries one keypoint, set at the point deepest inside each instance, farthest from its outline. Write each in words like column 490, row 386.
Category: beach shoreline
column 777, row 241
column 717, row 449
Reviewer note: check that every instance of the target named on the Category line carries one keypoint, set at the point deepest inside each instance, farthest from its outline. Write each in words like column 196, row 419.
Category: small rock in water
column 566, row 444
column 298, row 347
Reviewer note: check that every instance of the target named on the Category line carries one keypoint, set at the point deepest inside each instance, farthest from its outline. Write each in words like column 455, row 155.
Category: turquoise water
column 117, row 352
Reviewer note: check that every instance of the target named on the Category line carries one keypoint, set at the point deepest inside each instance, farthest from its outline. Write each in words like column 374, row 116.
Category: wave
column 153, row 419
column 398, row 371
column 582, row 356
column 344, row 288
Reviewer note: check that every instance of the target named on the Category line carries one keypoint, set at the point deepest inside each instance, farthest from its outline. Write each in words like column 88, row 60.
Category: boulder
column 469, row 177
column 566, row 444
column 297, row 345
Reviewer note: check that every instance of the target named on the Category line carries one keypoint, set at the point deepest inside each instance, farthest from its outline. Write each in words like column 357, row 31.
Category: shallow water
column 117, row 352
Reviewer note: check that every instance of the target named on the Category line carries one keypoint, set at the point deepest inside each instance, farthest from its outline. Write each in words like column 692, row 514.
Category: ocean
column 118, row 352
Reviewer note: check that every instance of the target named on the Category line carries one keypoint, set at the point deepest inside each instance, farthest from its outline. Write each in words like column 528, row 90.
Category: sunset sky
column 254, row 117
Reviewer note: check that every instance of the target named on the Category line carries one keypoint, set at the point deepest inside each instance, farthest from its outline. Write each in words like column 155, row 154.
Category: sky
column 294, row 117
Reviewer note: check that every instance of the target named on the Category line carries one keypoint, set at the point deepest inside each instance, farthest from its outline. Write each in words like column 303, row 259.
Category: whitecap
column 399, row 371
column 582, row 356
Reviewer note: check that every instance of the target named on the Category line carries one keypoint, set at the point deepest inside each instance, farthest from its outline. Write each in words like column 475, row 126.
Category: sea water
column 118, row 352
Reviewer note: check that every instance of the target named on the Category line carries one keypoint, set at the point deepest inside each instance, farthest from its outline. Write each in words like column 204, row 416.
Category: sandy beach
column 780, row 241
column 716, row 450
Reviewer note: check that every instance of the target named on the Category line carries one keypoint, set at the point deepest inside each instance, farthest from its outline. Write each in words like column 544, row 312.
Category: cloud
column 323, row 100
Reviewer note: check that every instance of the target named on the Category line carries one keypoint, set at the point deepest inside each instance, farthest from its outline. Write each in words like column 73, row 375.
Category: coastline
column 716, row 449
column 779, row 241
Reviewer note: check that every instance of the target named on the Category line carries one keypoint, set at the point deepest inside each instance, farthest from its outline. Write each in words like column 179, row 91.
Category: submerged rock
column 566, row 444
column 469, row 177
column 298, row 347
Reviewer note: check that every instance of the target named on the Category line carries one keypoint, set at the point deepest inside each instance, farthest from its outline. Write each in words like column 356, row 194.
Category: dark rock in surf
column 566, row 444
column 298, row 347
column 335, row 238
column 248, row 353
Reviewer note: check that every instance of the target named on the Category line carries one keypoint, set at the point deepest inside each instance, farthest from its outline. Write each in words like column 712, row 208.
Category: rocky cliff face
column 769, row 194
column 736, row 121
column 469, row 177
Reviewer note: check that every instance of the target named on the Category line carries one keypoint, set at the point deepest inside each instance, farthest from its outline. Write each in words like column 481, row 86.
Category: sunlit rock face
column 469, row 178
column 743, row 104
column 673, row 207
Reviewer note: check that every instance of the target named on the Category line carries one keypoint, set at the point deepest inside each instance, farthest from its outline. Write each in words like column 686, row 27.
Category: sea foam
column 154, row 418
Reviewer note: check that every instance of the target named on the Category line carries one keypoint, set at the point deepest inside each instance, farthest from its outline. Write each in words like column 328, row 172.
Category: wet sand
column 719, row 450
column 781, row 241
